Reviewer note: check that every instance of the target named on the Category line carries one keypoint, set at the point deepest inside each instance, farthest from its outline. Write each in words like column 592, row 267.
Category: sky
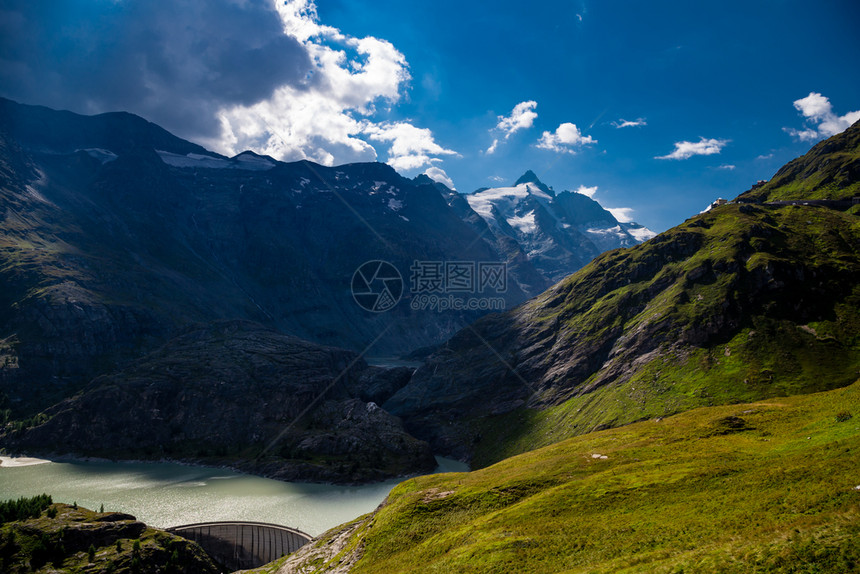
column 653, row 108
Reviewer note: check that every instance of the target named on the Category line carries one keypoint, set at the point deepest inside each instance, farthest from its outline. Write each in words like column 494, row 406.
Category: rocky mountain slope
column 115, row 234
column 66, row 538
column 739, row 303
column 233, row 393
column 769, row 487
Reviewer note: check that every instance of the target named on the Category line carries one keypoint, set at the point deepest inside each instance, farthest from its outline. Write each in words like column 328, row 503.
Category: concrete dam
column 243, row 545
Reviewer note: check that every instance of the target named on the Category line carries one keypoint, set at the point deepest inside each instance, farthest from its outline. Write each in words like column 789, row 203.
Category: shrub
column 24, row 508
column 843, row 416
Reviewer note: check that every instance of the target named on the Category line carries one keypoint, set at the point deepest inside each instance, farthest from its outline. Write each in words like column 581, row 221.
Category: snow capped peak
column 530, row 177
column 545, row 224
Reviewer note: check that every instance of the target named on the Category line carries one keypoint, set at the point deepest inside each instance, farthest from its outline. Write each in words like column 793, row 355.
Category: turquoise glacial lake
column 167, row 494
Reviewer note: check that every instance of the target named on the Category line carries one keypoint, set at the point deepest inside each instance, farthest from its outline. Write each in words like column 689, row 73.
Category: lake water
column 165, row 494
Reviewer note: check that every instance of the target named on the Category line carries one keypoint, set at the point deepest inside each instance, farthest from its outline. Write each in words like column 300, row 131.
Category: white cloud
column 727, row 166
column 438, row 174
column 522, row 117
column 411, row 147
column 622, row 123
column 330, row 114
column 768, row 156
column 817, row 109
column 589, row 191
column 813, row 106
column 622, row 214
column 807, row 135
column 685, row 149
column 566, row 139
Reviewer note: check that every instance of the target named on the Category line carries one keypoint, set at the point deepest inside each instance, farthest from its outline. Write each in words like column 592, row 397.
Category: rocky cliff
column 234, row 393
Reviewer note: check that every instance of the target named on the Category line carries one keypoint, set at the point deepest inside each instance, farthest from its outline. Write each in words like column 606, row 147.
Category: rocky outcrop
column 73, row 539
column 234, row 393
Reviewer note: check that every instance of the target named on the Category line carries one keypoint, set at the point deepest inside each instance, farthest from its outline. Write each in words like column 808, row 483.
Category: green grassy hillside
column 737, row 304
column 767, row 305
column 771, row 486
column 831, row 170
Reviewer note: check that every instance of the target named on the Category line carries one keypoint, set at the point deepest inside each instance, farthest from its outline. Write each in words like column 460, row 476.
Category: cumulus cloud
column 822, row 121
column 566, row 139
column 230, row 74
column 686, row 150
column 622, row 123
column 622, row 214
column 411, row 147
column 438, row 174
column 330, row 117
column 588, row 191
column 522, row 117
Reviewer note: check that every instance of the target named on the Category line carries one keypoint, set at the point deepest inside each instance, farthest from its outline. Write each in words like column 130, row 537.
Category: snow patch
column 523, row 223
column 395, row 204
column 608, row 231
column 244, row 160
column 253, row 162
column 504, row 199
column 103, row 155
column 192, row 160
column 641, row 233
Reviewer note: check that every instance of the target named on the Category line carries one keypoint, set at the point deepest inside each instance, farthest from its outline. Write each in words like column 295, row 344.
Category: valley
column 164, row 303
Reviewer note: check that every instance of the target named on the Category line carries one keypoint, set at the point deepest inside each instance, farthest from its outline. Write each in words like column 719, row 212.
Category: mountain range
column 686, row 403
column 116, row 235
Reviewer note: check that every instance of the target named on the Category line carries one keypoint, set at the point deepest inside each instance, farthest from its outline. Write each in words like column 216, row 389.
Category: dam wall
column 242, row 545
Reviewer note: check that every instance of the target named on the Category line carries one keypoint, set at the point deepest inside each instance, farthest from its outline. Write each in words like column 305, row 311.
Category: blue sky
column 661, row 106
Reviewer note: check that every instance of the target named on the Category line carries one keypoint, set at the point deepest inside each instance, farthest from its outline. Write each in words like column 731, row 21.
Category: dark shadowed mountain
column 234, row 393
